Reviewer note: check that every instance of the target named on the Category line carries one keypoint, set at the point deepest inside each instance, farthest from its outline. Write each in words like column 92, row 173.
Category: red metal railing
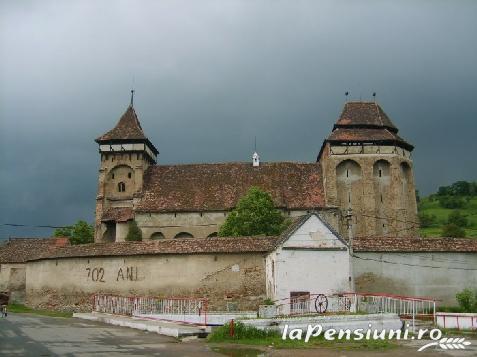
column 190, row 310
column 371, row 303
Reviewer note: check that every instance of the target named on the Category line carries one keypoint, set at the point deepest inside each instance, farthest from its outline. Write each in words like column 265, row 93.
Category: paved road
column 31, row 335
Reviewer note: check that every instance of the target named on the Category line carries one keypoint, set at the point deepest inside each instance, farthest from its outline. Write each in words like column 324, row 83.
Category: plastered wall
column 438, row 275
column 69, row 283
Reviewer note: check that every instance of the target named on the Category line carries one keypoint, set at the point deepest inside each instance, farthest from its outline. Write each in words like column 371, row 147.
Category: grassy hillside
column 431, row 206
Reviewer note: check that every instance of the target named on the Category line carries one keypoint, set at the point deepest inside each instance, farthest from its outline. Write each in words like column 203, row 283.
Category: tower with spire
column 125, row 153
column 367, row 168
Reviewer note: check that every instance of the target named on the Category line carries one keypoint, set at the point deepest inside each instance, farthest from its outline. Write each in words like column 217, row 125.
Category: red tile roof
column 170, row 246
column 127, row 128
column 207, row 187
column 368, row 135
column 364, row 122
column 19, row 250
column 118, row 214
column 364, row 114
column 414, row 244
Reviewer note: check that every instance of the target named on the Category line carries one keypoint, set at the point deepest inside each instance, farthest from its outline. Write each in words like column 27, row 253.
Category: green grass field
column 22, row 309
column 432, row 207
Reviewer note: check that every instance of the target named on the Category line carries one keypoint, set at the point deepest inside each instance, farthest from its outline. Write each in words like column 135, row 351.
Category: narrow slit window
column 121, row 187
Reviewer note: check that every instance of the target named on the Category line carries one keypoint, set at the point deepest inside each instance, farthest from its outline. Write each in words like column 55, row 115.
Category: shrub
column 467, row 300
column 134, row 233
column 426, row 219
column 453, row 231
column 451, row 202
column 241, row 332
column 268, row 301
column 457, row 218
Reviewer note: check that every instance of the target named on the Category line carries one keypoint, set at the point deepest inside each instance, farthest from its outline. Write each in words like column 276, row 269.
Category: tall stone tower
column 125, row 154
column 367, row 168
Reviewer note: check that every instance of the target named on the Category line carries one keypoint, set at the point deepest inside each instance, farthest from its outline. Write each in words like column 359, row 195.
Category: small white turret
column 255, row 159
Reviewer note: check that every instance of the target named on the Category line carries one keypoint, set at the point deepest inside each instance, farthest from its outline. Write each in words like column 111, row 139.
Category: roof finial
column 132, row 97
column 374, row 96
column 255, row 156
column 346, row 95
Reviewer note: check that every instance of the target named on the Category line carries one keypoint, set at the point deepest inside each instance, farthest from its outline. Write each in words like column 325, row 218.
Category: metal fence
column 172, row 308
column 405, row 306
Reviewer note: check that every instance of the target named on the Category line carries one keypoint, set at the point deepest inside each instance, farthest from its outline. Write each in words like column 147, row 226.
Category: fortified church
column 354, row 227
column 362, row 178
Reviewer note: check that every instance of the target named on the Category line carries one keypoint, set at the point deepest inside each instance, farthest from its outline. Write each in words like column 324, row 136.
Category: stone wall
column 377, row 183
column 69, row 283
column 12, row 279
column 201, row 225
column 436, row 275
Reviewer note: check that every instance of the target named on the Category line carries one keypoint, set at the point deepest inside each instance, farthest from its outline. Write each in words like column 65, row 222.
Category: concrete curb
column 161, row 327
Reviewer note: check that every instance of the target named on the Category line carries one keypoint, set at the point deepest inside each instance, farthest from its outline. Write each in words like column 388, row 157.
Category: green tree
column 255, row 214
column 63, row 232
column 134, row 232
column 82, row 233
column 457, row 218
column 453, row 231
column 467, row 300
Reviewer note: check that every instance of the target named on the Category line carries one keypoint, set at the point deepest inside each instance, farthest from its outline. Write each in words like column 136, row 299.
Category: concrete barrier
column 377, row 321
column 461, row 321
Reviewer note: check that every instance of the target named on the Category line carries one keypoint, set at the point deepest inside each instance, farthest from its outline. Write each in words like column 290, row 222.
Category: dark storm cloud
column 211, row 75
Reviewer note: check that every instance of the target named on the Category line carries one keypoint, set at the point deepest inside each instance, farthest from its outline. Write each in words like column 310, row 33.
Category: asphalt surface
column 31, row 335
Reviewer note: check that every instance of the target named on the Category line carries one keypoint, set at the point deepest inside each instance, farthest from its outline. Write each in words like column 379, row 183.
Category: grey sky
column 210, row 75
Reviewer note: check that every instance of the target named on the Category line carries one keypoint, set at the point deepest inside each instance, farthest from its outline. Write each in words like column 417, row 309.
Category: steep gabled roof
column 299, row 221
column 218, row 187
column 127, row 128
column 364, row 114
column 364, row 123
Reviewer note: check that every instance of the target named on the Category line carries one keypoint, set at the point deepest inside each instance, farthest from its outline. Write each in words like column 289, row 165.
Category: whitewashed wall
column 312, row 260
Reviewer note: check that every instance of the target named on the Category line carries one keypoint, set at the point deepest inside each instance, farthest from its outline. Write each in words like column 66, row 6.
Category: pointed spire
column 132, row 98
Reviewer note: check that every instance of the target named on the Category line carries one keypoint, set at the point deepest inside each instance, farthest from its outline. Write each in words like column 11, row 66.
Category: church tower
column 367, row 167
column 126, row 153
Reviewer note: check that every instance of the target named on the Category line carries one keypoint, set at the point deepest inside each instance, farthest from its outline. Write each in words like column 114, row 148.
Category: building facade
column 364, row 170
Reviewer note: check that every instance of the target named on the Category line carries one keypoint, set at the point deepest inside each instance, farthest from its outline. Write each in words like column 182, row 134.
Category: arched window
column 382, row 170
column 121, row 187
column 157, row 235
column 348, row 171
column 184, row 235
column 211, row 235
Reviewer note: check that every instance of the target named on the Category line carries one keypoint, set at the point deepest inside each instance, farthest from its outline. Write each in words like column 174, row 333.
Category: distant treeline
column 459, row 188
column 455, row 195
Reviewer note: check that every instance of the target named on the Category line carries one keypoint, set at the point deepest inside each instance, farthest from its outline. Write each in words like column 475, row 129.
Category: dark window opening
column 112, row 176
column 347, row 173
column 129, row 175
column 184, row 235
column 121, row 187
column 381, row 198
column 212, row 235
column 380, row 172
column 349, row 197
